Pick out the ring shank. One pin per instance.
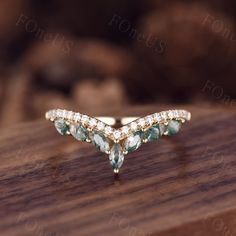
(117, 122)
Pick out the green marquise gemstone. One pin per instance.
(116, 157)
(153, 133)
(134, 141)
(61, 126)
(78, 132)
(100, 141)
(173, 127)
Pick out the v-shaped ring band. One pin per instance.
(117, 136)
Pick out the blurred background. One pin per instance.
(92, 56)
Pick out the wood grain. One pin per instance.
(183, 185)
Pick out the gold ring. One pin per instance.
(117, 136)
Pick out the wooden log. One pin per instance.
(181, 185)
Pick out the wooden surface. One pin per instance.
(183, 185)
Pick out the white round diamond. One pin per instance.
(171, 114)
(48, 115)
(59, 113)
(100, 126)
(149, 120)
(65, 114)
(125, 129)
(157, 117)
(84, 119)
(92, 122)
(176, 114)
(133, 125)
(117, 134)
(141, 122)
(54, 114)
(70, 115)
(189, 116)
(77, 117)
(186, 114)
(164, 115)
(108, 130)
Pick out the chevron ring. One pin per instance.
(117, 136)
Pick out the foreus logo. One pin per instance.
(32, 27)
(124, 26)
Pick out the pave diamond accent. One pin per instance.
(117, 134)
(134, 126)
(164, 115)
(65, 114)
(150, 120)
(92, 122)
(108, 130)
(100, 125)
(170, 114)
(157, 117)
(125, 130)
(84, 119)
(77, 117)
(49, 115)
(141, 122)
(70, 115)
(59, 113)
